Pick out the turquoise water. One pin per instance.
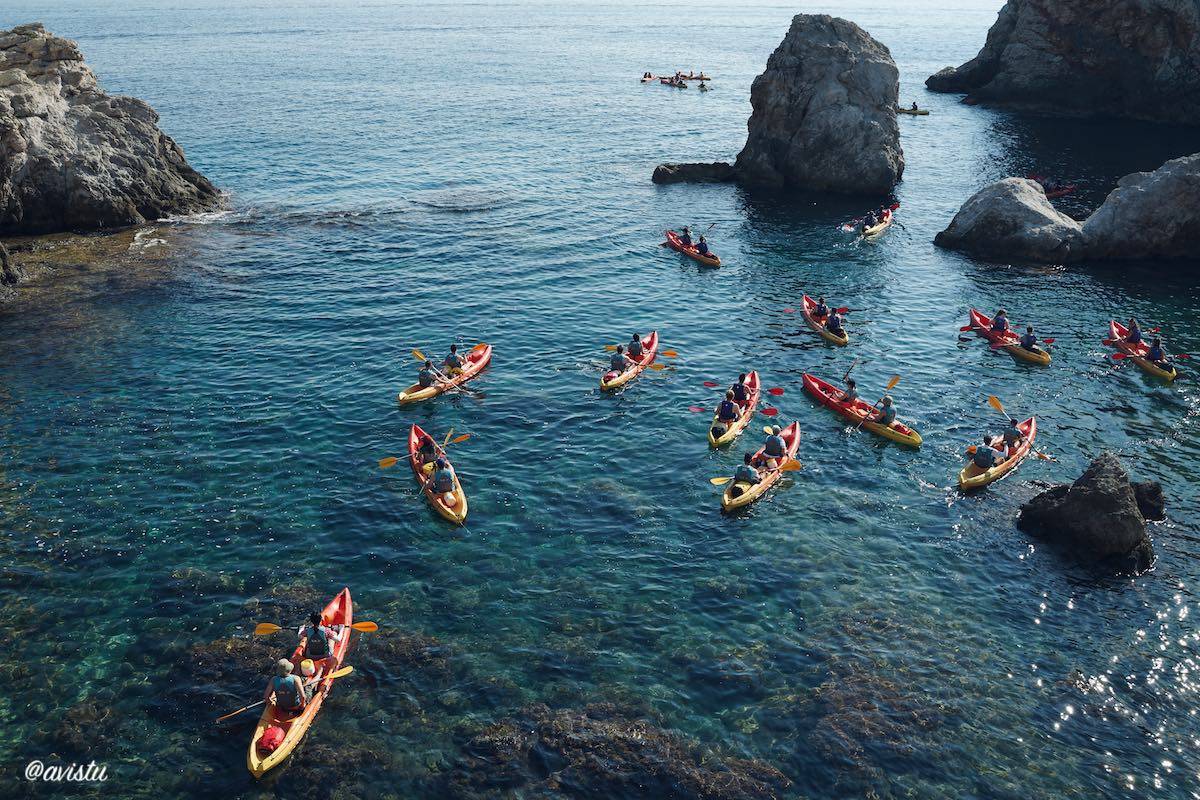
(410, 175)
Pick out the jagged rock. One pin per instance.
(1130, 58)
(602, 752)
(1150, 500)
(1096, 517)
(716, 172)
(1149, 215)
(823, 119)
(1013, 219)
(75, 158)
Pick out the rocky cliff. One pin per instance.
(823, 119)
(75, 158)
(1128, 58)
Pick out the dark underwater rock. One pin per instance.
(601, 752)
(716, 172)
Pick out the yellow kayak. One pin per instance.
(738, 495)
(451, 505)
(807, 305)
(1117, 333)
(972, 477)
(473, 364)
(612, 380)
(739, 425)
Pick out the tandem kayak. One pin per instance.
(972, 477)
(916, 112)
(338, 612)
(612, 380)
(473, 364)
(739, 425)
(676, 244)
(875, 230)
(807, 304)
(739, 495)
(1137, 352)
(833, 398)
(451, 505)
(1011, 342)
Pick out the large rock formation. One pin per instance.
(823, 119)
(1129, 58)
(1096, 517)
(1150, 215)
(1013, 219)
(75, 158)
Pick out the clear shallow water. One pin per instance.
(411, 175)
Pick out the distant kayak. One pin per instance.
(1009, 340)
(613, 380)
(673, 82)
(676, 244)
(972, 477)
(875, 230)
(916, 112)
(807, 305)
(1137, 352)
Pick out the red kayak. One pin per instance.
(1009, 340)
(676, 244)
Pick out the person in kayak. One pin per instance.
(1157, 355)
(442, 477)
(746, 473)
(741, 393)
(851, 392)
(635, 347)
(686, 236)
(914, 105)
(1135, 332)
(428, 451)
(1000, 322)
(1029, 340)
(1012, 438)
(820, 309)
(774, 448)
(986, 457)
(453, 362)
(317, 640)
(887, 414)
(727, 414)
(702, 246)
(427, 377)
(870, 220)
(286, 690)
(619, 362)
(834, 323)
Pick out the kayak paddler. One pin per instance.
(870, 220)
(285, 689)
(1135, 332)
(686, 236)
(774, 448)
(619, 362)
(1029, 341)
(426, 377)
(1012, 437)
(442, 480)
(985, 457)
(702, 246)
(635, 347)
(1157, 355)
(741, 394)
(851, 392)
(834, 323)
(887, 414)
(820, 309)
(746, 473)
(728, 411)
(427, 452)
(1000, 321)
(453, 362)
(316, 637)
(914, 105)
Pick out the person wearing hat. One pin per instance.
(443, 476)
(887, 414)
(427, 377)
(286, 690)
(774, 448)
(635, 347)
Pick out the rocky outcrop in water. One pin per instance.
(1096, 517)
(1128, 58)
(823, 119)
(75, 158)
(1013, 219)
(601, 752)
(1150, 215)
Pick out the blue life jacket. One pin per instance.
(289, 691)
(887, 415)
(821, 310)
(686, 239)
(834, 323)
(775, 447)
(1012, 436)
(619, 362)
(425, 378)
(1029, 341)
(1135, 336)
(316, 644)
(985, 457)
(702, 247)
(740, 392)
(746, 474)
(850, 395)
(454, 360)
(1000, 324)
(727, 411)
(1156, 353)
(443, 480)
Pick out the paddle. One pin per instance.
(264, 628)
(791, 465)
(341, 673)
(853, 364)
(697, 409)
(995, 403)
(890, 385)
(612, 348)
(390, 461)
(770, 412)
